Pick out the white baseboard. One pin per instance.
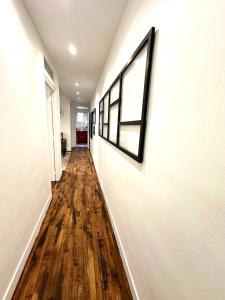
(121, 250)
(119, 243)
(19, 269)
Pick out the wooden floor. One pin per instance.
(75, 255)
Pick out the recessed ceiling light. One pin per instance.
(76, 84)
(82, 107)
(78, 93)
(72, 49)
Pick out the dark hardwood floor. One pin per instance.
(75, 255)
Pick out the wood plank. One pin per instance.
(75, 255)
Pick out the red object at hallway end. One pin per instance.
(81, 137)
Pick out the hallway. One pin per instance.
(112, 156)
(75, 255)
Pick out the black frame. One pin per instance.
(92, 123)
(101, 111)
(149, 41)
(94, 116)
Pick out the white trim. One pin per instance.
(55, 102)
(120, 245)
(19, 269)
(49, 81)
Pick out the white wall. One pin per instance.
(65, 120)
(25, 188)
(169, 211)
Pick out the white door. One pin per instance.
(50, 122)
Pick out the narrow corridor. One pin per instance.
(75, 255)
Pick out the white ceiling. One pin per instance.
(90, 25)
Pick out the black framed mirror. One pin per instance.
(92, 123)
(123, 108)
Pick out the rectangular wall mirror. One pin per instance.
(94, 116)
(90, 126)
(92, 123)
(133, 88)
(113, 123)
(123, 108)
(100, 123)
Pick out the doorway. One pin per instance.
(82, 129)
(50, 124)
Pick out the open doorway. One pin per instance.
(82, 128)
(50, 124)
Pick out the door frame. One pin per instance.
(85, 111)
(56, 124)
(51, 135)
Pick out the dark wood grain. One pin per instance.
(75, 255)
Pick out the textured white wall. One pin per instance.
(24, 166)
(65, 120)
(169, 211)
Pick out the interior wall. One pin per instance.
(65, 119)
(169, 210)
(24, 173)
